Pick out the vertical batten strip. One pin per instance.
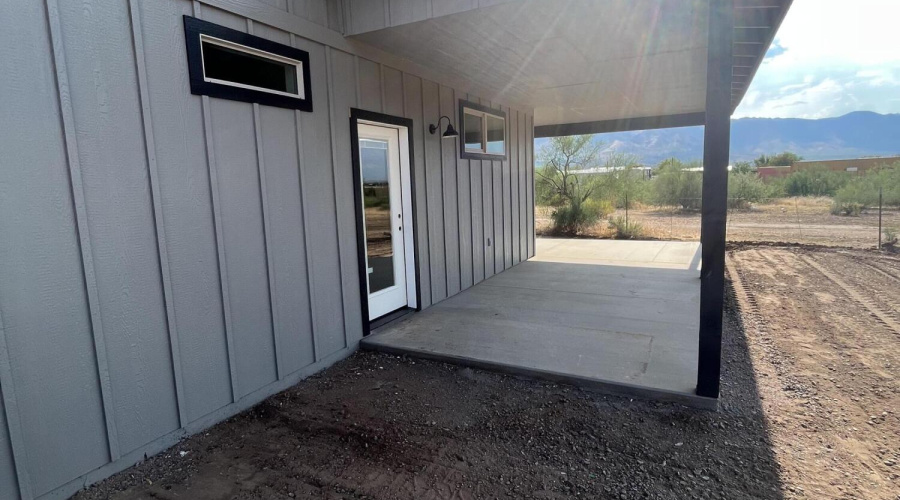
(459, 249)
(314, 329)
(13, 422)
(529, 155)
(443, 192)
(220, 244)
(381, 78)
(425, 132)
(523, 187)
(329, 76)
(515, 237)
(355, 80)
(84, 239)
(267, 232)
(150, 148)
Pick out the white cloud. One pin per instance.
(834, 57)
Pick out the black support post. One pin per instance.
(716, 138)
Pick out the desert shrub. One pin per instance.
(602, 207)
(575, 217)
(745, 188)
(816, 181)
(677, 185)
(624, 229)
(846, 208)
(775, 188)
(890, 236)
(621, 181)
(743, 167)
(863, 189)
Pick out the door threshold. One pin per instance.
(389, 318)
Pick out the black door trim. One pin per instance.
(357, 115)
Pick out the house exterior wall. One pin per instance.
(168, 260)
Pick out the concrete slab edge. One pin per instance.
(601, 386)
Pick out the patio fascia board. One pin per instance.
(621, 125)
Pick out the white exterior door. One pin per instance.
(383, 187)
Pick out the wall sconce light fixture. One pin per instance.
(449, 133)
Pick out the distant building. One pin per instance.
(646, 172)
(855, 165)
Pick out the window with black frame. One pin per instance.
(483, 132)
(231, 64)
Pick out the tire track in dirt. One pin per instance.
(746, 301)
(878, 269)
(888, 281)
(883, 317)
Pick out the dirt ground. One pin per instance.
(809, 408)
(824, 330)
(795, 220)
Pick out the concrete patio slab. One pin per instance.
(620, 316)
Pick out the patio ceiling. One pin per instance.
(576, 61)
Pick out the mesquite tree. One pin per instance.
(560, 160)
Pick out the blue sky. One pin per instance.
(829, 58)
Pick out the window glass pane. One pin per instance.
(474, 132)
(224, 63)
(377, 201)
(496, 134)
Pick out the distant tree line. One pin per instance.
(578, 199)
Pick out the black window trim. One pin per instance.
(194, 28)
(468, 155)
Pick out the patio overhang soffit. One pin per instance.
(584, 66)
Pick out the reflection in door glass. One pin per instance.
(373, 156)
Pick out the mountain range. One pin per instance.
(853, 135)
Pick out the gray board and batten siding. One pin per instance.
(168, 260)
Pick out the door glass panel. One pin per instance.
(377, 202)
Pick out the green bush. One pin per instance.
(626, 229)
(575, 217)
(890, 238)
(815, 181)
(745, 188)
(602, 207)
(676, 185)
(863, 189)
(621, 182)
(775, 188)
(846, 208)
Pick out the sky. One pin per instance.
(830, 57)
